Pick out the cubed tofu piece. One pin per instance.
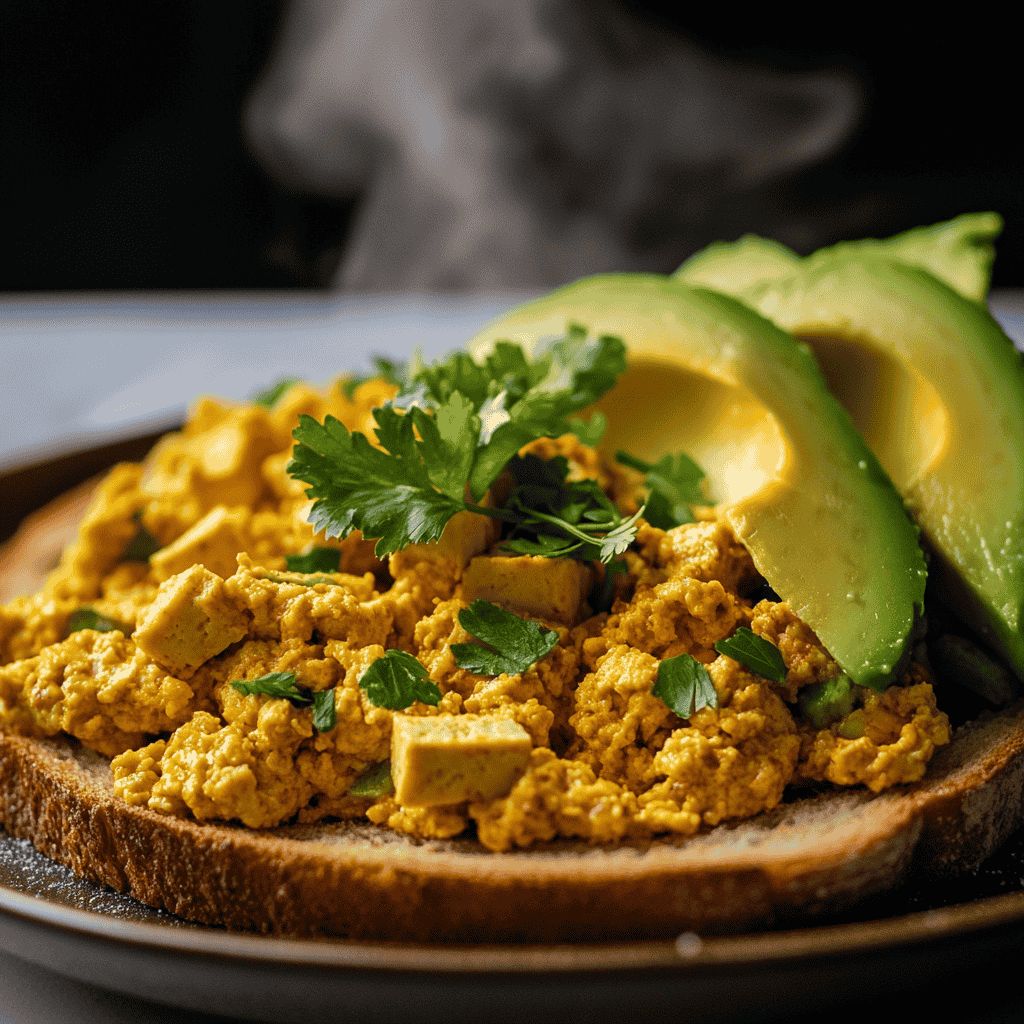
(465, 535)
(544, 588)
(227, 457)
(191, 620)
(213, 542)
(451, 758)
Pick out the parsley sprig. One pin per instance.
(285, 685)
(562, 519)
(447, 436)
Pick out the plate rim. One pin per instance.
(687, 953)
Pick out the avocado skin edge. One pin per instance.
(719, 337)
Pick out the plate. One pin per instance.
(54, 919)
(933, 937)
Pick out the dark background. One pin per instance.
(123, 164)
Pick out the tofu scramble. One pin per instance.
(577, 745)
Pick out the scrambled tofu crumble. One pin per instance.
(586, 747)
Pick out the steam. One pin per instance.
(494, 144)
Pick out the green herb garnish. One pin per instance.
(284, 685)
(309, 581)
(512, 644)
(375, 782)
(317, 560)
(759, 655)
(273, 684)
(89, 618)
(684, 685)
(397, 681)
(268, 397)
(393, 373)
(323, 710)
(453, 428)
(674, 485)
(143, 543)
(559, 519)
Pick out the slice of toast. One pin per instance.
(807, 857)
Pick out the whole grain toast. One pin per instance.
(808, 856)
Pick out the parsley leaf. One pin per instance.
(589, 431)
(269, 396)
(284, 685)
(674, 485)
(89, 618)
(513, 644)
(143, 543)
(684, 685)
(397, 681)
(273, 684)
(759, 655)
(375, 782)
(324, 718)
(384, 494)
(316, 560)
(393, 373)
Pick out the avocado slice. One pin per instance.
(731, 267)
(708, 376)
(937, 390)
(957, 251)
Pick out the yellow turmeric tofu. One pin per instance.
(545, 588)
(213, 542)
(447, 759)
(191, 620)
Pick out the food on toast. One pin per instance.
(464, 627)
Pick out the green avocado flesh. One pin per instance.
(791, 475)
(731, 267)
(937, 390)
(958, 251)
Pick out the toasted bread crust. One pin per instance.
(356, 880)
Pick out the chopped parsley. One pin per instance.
(393, 373)
(324, 718)
(143, 543)
(674, 484)
(285, 685)
(508, 643)
(268, 397)
(447, 436)
(375, 782)
(684, 685)
(761, 656)
(316, 560)
(309, 581)
(397, 681)
(89, 618)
